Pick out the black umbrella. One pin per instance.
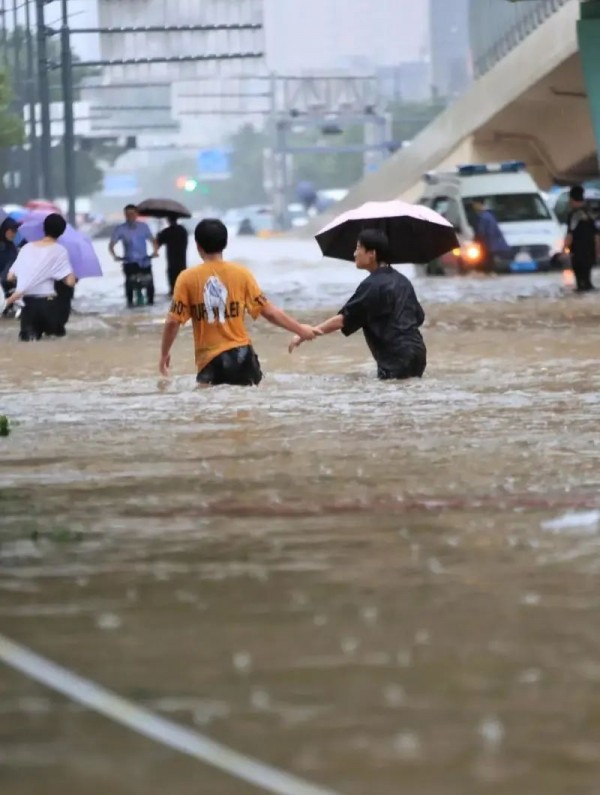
(416, 233)
(163, 208)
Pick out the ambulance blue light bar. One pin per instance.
(508, 167)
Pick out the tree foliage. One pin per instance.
(11, 126)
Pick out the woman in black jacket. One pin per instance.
(8, 254)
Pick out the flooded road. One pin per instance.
(381, 588)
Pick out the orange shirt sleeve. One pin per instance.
(181, 310)
(255, 298)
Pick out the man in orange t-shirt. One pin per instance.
(216, 295)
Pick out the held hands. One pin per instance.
(308, 334)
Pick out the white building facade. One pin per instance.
(183, 102)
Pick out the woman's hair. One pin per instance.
(54, 225)
(8, 225)
(375, 240)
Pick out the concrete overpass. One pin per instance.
(532, 105)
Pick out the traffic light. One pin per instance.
(192, 184)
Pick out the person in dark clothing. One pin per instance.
(583, 239)
(386, 308)
(8, 254)
(489, 236)
(175, 240)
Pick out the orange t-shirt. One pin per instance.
(216, 295)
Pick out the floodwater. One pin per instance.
(381, 588)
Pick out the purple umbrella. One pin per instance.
(83, 258)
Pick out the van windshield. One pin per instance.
(512, 207)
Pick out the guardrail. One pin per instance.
(531, 19)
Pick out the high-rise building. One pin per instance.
(157, 101)
(450, 46)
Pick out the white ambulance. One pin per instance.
(529, 226)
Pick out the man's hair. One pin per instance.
(211, 235)
(478, 200)
(577, 193)
(130, 207)
(54, 225)
(375, 240)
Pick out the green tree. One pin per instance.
(88, 177)
(246, 184)
(409, 118)
(17, 42)
(11, 126)
(329, 169)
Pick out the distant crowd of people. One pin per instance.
(217, 294)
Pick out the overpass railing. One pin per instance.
(516, 24)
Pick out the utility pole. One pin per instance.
(18, 160)
(34, 160)
(4, 37)
(69, 139)
(44, 91)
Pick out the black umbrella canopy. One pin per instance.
(416, 234)
(163, 208)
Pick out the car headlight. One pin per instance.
(472, 253)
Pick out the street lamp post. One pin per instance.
(44, 90)
(69, 140)
(4, 37)
(34, 188)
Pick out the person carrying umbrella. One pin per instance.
(175, 239)
(386, 308)
(38, 266)
(137, 264)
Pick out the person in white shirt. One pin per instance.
(36, 269)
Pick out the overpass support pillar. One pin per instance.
(588, 33)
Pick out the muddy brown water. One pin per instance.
(382, 588)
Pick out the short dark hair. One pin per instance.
(577, 193)
(211, 235)
(478, 200)
(130, 207)
(54, 225)
(375, 240)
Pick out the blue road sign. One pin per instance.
(120, 184)
(213, 164)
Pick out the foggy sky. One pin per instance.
(316, 34)
(303, 33)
